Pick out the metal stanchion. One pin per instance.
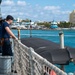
(30, 29)
(18, 33)
(61, 34)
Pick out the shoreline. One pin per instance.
(45, 29)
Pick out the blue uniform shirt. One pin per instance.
(4, 32)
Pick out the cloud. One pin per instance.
(21, 13)
(51, 8)
(35, 16)
(12, 3)
(42, 13)
(21, 3)
(23, 10)
(8, 3)
(74, 5)
(65, 12)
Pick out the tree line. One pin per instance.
(63, 24)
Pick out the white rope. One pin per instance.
(28, 62)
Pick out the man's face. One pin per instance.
(10, 21)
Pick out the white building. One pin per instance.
(72, 17)
(54, 25)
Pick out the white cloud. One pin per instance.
(51, 8)
(21, 13)
(21, 3)
(74, 5)
(27, 14)
(14, 10)
(35, 16)
(22, 9)
(61, 12)
(8, 3)
(66, 12)
(42, 13)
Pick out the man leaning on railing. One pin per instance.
(5, 39)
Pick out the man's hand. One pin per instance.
(16, 38)
(10, 36)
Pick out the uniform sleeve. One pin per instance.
(5, 25)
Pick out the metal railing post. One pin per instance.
(18, 33)
(30, 29)
(31, 61)
(61, 35)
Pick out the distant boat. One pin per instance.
(65, 28)
(17, 25)
(13, 27)
(72, 28)
(22, 27)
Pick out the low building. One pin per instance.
(53, 25)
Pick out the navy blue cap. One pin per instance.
(9, 17)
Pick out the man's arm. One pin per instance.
(10, 33)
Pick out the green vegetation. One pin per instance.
(72, 25)
(46, 24)
(27, 20)
(64, 25)
(61, 25)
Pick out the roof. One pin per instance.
(53, 23)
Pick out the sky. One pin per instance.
(38, 10)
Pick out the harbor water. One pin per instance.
(53, 35)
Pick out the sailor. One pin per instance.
(6, 33)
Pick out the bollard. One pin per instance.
(61, 34)
(18, 34)
(30, 31)
(5, 64)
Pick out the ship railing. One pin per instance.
(28, 62)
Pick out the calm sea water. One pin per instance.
(53, 35)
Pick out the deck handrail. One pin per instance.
(28, 62)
